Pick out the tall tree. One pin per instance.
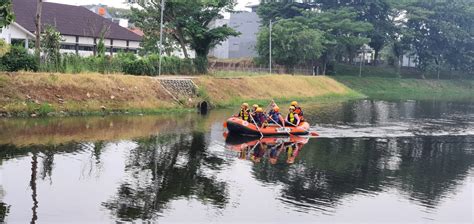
(379, 13)
(188, 22)
(442, 34)
(39, 9)
(6, 13)
(293, 43)
(51, 44)
(282, 9)
(345, 34)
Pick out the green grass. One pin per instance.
(415, 89)
(392, 72)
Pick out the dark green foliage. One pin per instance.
(6, 13)
(294, 43)
(441, 34)
(283, 9)
(150, 65)
(50, 44)
(187, 24)
(18, 59)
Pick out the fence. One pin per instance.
(254, 69)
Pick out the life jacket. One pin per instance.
(291, 118)
(244, 114)
(299, 111)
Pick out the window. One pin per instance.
(18, 42)
(68, 47)
(86, 48)
(118, 50)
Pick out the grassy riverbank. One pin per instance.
(414, 89)
(230, 91)
(40, 94)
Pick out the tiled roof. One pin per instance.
(69, 20)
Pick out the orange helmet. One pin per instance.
(276, 109)
(246, 105)
(294, 103)
(255, 105)
(259, 109)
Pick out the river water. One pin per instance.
(374, 162)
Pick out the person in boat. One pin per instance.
(292, 118)
(244, 113)
(275, 117)
(254, 109)
(260, 117)
(298, 110)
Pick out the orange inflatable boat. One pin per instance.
(238, 126)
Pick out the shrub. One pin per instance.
(18, 59)
(138, 67)
(4, 47)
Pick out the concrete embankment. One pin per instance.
(38, 94)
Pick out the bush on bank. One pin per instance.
(18, 59)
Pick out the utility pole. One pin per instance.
(270, 48)
(161, 34)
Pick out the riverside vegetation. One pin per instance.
(41, 94)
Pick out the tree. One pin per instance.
(6, 13)
(39, 9)
(51, 43)
(101, 45)
(188, 23)
(343, 32)
(441, 34)
(283, 9)
(379, 13)
(293, 42)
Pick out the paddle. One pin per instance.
(256, 125)
(271, 102)
(279, 125)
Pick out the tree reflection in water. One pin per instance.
(165, 168)
(425, 169)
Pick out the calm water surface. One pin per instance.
(375, 161)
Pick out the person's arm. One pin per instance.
(282, 121)
(297, 119)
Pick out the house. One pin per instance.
(80, 28)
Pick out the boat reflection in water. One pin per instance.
(270, 148)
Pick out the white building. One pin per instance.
(80, 28)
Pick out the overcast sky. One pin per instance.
(120, 3)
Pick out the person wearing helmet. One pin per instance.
(298, 110)
(259, 117)
(254, 109)
(275, 117)
(292, 117)
(244, 113)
